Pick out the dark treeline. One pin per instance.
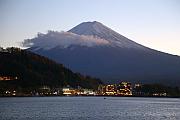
(32, 71)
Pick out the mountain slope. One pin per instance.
(99, 30)
(119, 59)
(35, 71)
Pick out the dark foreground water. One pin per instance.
(89, 108)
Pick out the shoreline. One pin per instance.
(95, 96)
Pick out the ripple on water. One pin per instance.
(89, 108)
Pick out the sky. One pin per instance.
(152, 23)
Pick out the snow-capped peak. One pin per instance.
(88, 28)
(99, 30)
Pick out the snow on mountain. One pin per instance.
(64, 40)
(85, 34)
(99, 30)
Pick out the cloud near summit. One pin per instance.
(63, 39)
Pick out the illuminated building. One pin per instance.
(8, 78)
(110, 90)
(137, 85)
(160, 94)
(88, 92)
(124, 88)
(68, 91)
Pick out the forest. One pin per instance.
(29, 71)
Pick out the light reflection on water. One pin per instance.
(89, 108)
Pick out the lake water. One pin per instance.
(89, 108)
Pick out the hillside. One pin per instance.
(28, 70)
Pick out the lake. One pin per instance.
(89, 108)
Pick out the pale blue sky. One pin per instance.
(153, 23)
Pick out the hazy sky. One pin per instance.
(153, 23)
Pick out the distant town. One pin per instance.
(121, 89)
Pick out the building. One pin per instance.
(68, 91)
(124, 88)
(88, 92)
(110, 89)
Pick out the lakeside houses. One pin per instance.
(121, 89)
(68, 91)
(127, 89)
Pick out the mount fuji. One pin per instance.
(93, 49)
